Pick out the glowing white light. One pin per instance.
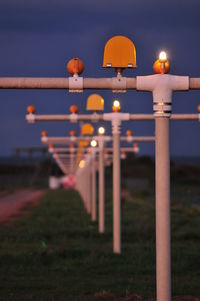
(93, 143)
(116, 104)
(101, 130)
(162, 57)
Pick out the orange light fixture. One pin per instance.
(44, 133)
(31, 109)
(119, 52)
(75, 66)
(73, 109)
(72, 133)
(198, 108)
(129, 133)
(87, 129)
(95, 102)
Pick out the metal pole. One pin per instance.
(85, 180)
(94, 209)
(101, 187)
(72, 159)
(63, 83)
(116, 191)
(88, 186)
(97, 117)
(163, 250)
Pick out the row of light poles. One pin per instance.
(162, 86)
(116, 118)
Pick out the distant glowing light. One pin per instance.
(82, 164)
(93, 143)
(101, 130)
(116, 106)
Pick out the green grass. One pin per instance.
(56, 253)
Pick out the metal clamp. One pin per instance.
(73, 139)
(119, 84)
(73, 117)
(30, 118)
(95, 117)
(130, 139)
(75, 84)
(44, 139)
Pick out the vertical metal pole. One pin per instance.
(88, 186)
(116, 190)
(71, 158)
(94, 209)
(163, 252)
(101, 186)
(84, 187)
(83, 177)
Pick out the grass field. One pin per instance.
(56, 253)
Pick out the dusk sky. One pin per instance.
(39, 37)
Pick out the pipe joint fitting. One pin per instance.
(75, 84)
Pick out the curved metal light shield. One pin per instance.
(119, 52)
(95, 102)
(87, 129)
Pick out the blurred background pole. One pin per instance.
(94, 209)
(101, 186)
(88, 185)
(163, 249)
(116, 188)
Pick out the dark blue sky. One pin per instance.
(39, 37)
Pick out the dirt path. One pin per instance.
(12, 204)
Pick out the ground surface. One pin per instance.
(11, 204)
(56, 253)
